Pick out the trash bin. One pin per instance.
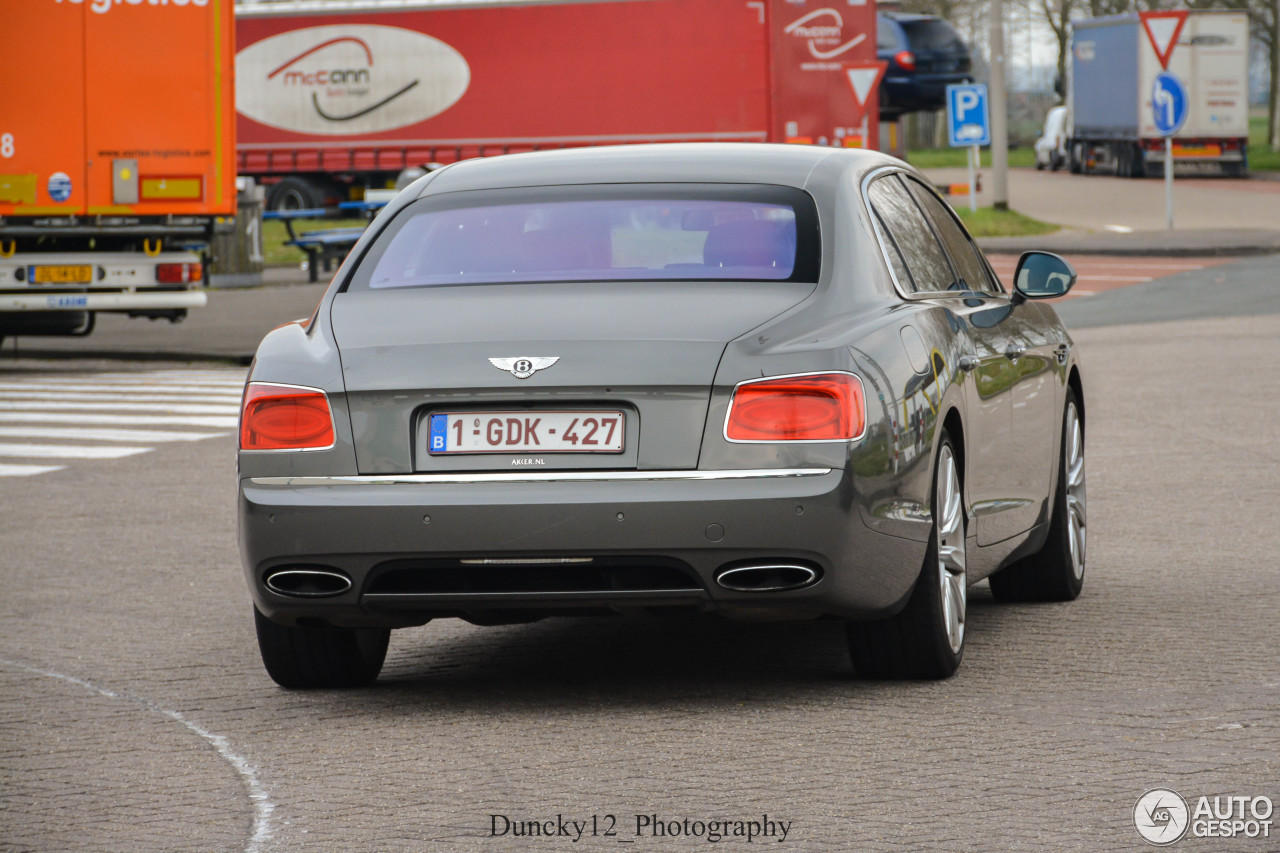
(237, 252)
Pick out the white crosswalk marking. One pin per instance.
(89, 434)
(71, 396)
(67, 451)
(150, 420)
(175, 408)
(108, 388)
(101, 416)
(27, 470)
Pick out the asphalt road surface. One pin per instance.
(135, 714)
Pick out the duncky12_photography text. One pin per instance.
(640, 826)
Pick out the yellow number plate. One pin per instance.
(69, 274)
(1197, 150)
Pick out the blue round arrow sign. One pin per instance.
(1168, 103)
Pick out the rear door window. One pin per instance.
(964, 253)
(909, 239)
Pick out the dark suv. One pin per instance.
(925, 55)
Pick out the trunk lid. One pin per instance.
(646, 349)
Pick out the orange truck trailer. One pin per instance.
(117, 158)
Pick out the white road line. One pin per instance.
(45, 385)
(176, 409)
(44, 394)
(262, 805)
(27, 470)
(90, 434)
(120, 420)
(1119, 229)
(68, 451)
(170, 379)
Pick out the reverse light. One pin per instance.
(285, 417)
(906, 59)
(179, 273)
(807, 407)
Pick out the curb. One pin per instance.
(1216, 242)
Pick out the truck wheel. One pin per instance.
(294, 194)
(1137, 162)
(1076, 159)
(301, 657)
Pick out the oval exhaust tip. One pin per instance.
(308, 582)
(767, 577)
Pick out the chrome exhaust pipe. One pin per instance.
(308, 582)
(767, 577)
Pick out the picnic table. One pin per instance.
(323, 246)
(330, 244)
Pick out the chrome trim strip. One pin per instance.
(545, 477)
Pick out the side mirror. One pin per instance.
(1043, 275)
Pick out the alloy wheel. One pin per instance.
(949, 519)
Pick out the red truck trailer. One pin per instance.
(336, 97)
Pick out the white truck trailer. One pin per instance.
(1111, 75)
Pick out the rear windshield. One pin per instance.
(932, 35)
(597, 234)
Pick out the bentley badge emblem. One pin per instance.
(524, 366)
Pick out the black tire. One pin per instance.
(915, 643)
(1053, 573)
(1137, 163)
(302, 657)
(1076, 159)
(294, 194)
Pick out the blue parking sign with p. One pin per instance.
(968, 118)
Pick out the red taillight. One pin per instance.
(813, 407)
(179, 273)
(906, 59)
(282, 417)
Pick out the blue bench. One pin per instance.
(321, 247)
(325, 247)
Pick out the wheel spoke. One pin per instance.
(952, 558)
(1076, 518)
(949, 533)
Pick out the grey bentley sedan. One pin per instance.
(766, 381)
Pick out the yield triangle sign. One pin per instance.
(864, 78)
(1163, 29)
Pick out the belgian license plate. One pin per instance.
(60, 274)
(527, 432)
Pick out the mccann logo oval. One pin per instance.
(348, 79)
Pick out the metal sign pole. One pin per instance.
(973, 178)
(1169, 103)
